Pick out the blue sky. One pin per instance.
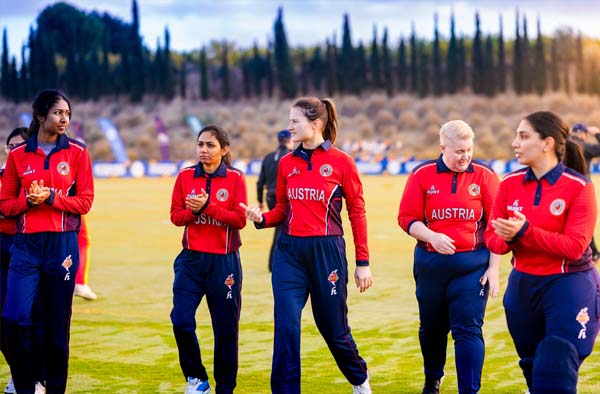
(193, 23)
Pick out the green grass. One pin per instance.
(123, 342)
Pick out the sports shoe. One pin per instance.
(432, 386)
(364, 388)
(10, 386)
(85, 292)
(39, 388)
(197, 386)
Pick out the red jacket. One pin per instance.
(561, 216)
(216, 229)
(456, 204)
(67, 170)
(7, 225)
(310, 192)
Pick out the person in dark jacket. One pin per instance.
(579, 133)
(268, 178)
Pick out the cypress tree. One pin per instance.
(361, 68)
(540, 63)
(5, 83)
(580, 72)
(13, 81)
(554, 66)
(489, 76)
(24, 77)
(501, 69)
(304, 72)
(316, 69)
(159, 81)
(567, 78)
(462, 63)
(169, 88)
(283, 61)
(423, 72)
(104, 85)
(226, 92)
(375, 67)
(269, 70)
(387, 65)
(478, 61)
(452, 66)
(402, 69)
(203, 75)
(414, 67)
(183, 77)
(246, 76)
(517, 60)
(347, 63)
(437, 60)
(526, 60)
(137, 57)
(257, 70)
(331, 83)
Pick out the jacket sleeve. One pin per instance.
(277, 215)
(260, 184)
(180, 215)
(355, 204)
(412, 204)
(495, 243)
(81, 202)
(492, 184)
(13, 198)
(234, 215)
(578, 229)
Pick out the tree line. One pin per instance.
(93, 55)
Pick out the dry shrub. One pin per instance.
(454, 115)
(222, 115)
(408, 120)
(505, 104)
(350, 106)
(366, 131)
(248, 113)
(102, 151)
(401, 103)
(431, 118)
(583, 104)
(531, 103)
(384, 118)
(557, 102)
(375, 103)
(450, 105)
(497, 122)
(476, 120)
(485, 142)
(593, 119)
(389, 132)
(424, 106)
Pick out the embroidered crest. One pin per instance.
(474, 189)
(63, 168)
(326, 170)
(222, 194)
(229, 282)
(557, 206)
(333, 278)
(582, 318)
(67, 263)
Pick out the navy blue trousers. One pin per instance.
(563, 305)
(451, 298)
(315, 266)
(219, 278)
(42, 265)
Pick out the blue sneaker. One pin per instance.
(197, 386)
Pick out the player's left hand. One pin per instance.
(363, 278)
(509, 228)
(492, 277)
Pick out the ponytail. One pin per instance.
(330, 130)
(574, 157)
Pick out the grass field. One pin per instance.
(123, 342)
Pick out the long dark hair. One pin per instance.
(548, 124)
(314, 108)
(22, 132)
(42, 103)
(221, 135)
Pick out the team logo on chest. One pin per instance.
(333, 278)
(582, 318)
(557, 206)
(474, 189)
(28, 171)
(229, 282)
(326, 170)
(63, 168)
(67, 263)
(433, 190)
(222, 194)
(514, 207)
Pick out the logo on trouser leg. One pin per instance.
(582, 318)
(333, 278)
(229, 281)
(67, 263)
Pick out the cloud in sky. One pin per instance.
(193, 23)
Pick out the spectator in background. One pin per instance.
(579, 134)
(268, 179)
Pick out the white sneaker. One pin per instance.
(39, 388)
(10, 386)
(364, 388)
(85, 292)
(196, 386)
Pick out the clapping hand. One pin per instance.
(38, 193)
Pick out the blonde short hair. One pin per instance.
(455, 129)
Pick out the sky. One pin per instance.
(194, 23)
